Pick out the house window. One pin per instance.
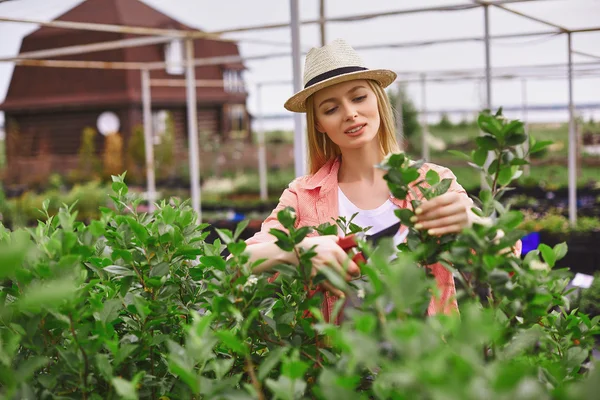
(174, 57)
(233, 81)
(237, 120)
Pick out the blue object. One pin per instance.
(530, 242)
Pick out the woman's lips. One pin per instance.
(354, 131)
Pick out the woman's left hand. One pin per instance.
(448, 213)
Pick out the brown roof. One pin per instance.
(43, 87)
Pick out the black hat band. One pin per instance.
(332, 73)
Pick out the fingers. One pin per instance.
(455, 228)
(348, 267)
(460, 219)
(333, 290)
(442, 211)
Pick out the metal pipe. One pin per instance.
(79, 64)
(299, 139)
(92, 47)
(136, 30)
(148, 139)
(183, 82)
(400, 117)
(531, 18)
(192, 113)
(363, 17)
(488, 67)
(322, 21)
(424, 124)
(526, 168)
(572, 140)
(262, 157)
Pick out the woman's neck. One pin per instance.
(359, 164)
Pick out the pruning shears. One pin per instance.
(349, 243)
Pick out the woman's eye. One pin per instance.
(330, 111)
(360, 98)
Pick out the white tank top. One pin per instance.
(378, 218)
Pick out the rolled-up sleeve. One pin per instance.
(289, 198)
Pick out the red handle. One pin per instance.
(348, 242)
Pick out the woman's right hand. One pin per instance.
(330, 255)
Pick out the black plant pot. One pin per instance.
(583, 254)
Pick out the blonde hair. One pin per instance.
(321, 149)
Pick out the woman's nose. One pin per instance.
(350, 112)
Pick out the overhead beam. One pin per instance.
(90, 48)
(135, 30)
(367, 16)
(522, 14)
(583, 53)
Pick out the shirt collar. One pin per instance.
(326, 177)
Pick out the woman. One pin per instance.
(350, 129)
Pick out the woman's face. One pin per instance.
(347, 112)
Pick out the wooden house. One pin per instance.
(46, 109)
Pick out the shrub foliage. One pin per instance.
(135, 305)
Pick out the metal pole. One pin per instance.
(262, 157)
(488, 67)
(526, 168)
(322, 21)
(399, 117)
(148, 139)
(424, 125)
(572, 141)
(192, 112)
(299, 139)
(488, 83)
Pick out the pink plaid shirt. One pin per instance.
(315, 199)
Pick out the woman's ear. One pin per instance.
(319, 127)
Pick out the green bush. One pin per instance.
(135, 305)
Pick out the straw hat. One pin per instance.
(334, 63)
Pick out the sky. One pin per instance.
(210, 15)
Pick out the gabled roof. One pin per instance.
(114, 12)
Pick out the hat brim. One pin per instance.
(297, 103)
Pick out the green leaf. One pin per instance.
(560, 250)
(109, 312)
(287, 217)
(405, 214)
(125, 388)
(139, 230)
(575, 357)
(216, 262)
(443, 186)
(236, 248)
(119, 270)
(160, 269)
(459, 154)
(432, 177)
(515, 139)
(273, 358)
(12, 254)
(513, 127)
(479, 157)
(547, 254)
(505, 176)
(294, 369)
(240, 228)
(230, 340)
(96, 228)
(47, 294)
(539, 146)
(104, 366)
(487, 142)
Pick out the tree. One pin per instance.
(113, 155)
(410, 115)
(88, 161)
